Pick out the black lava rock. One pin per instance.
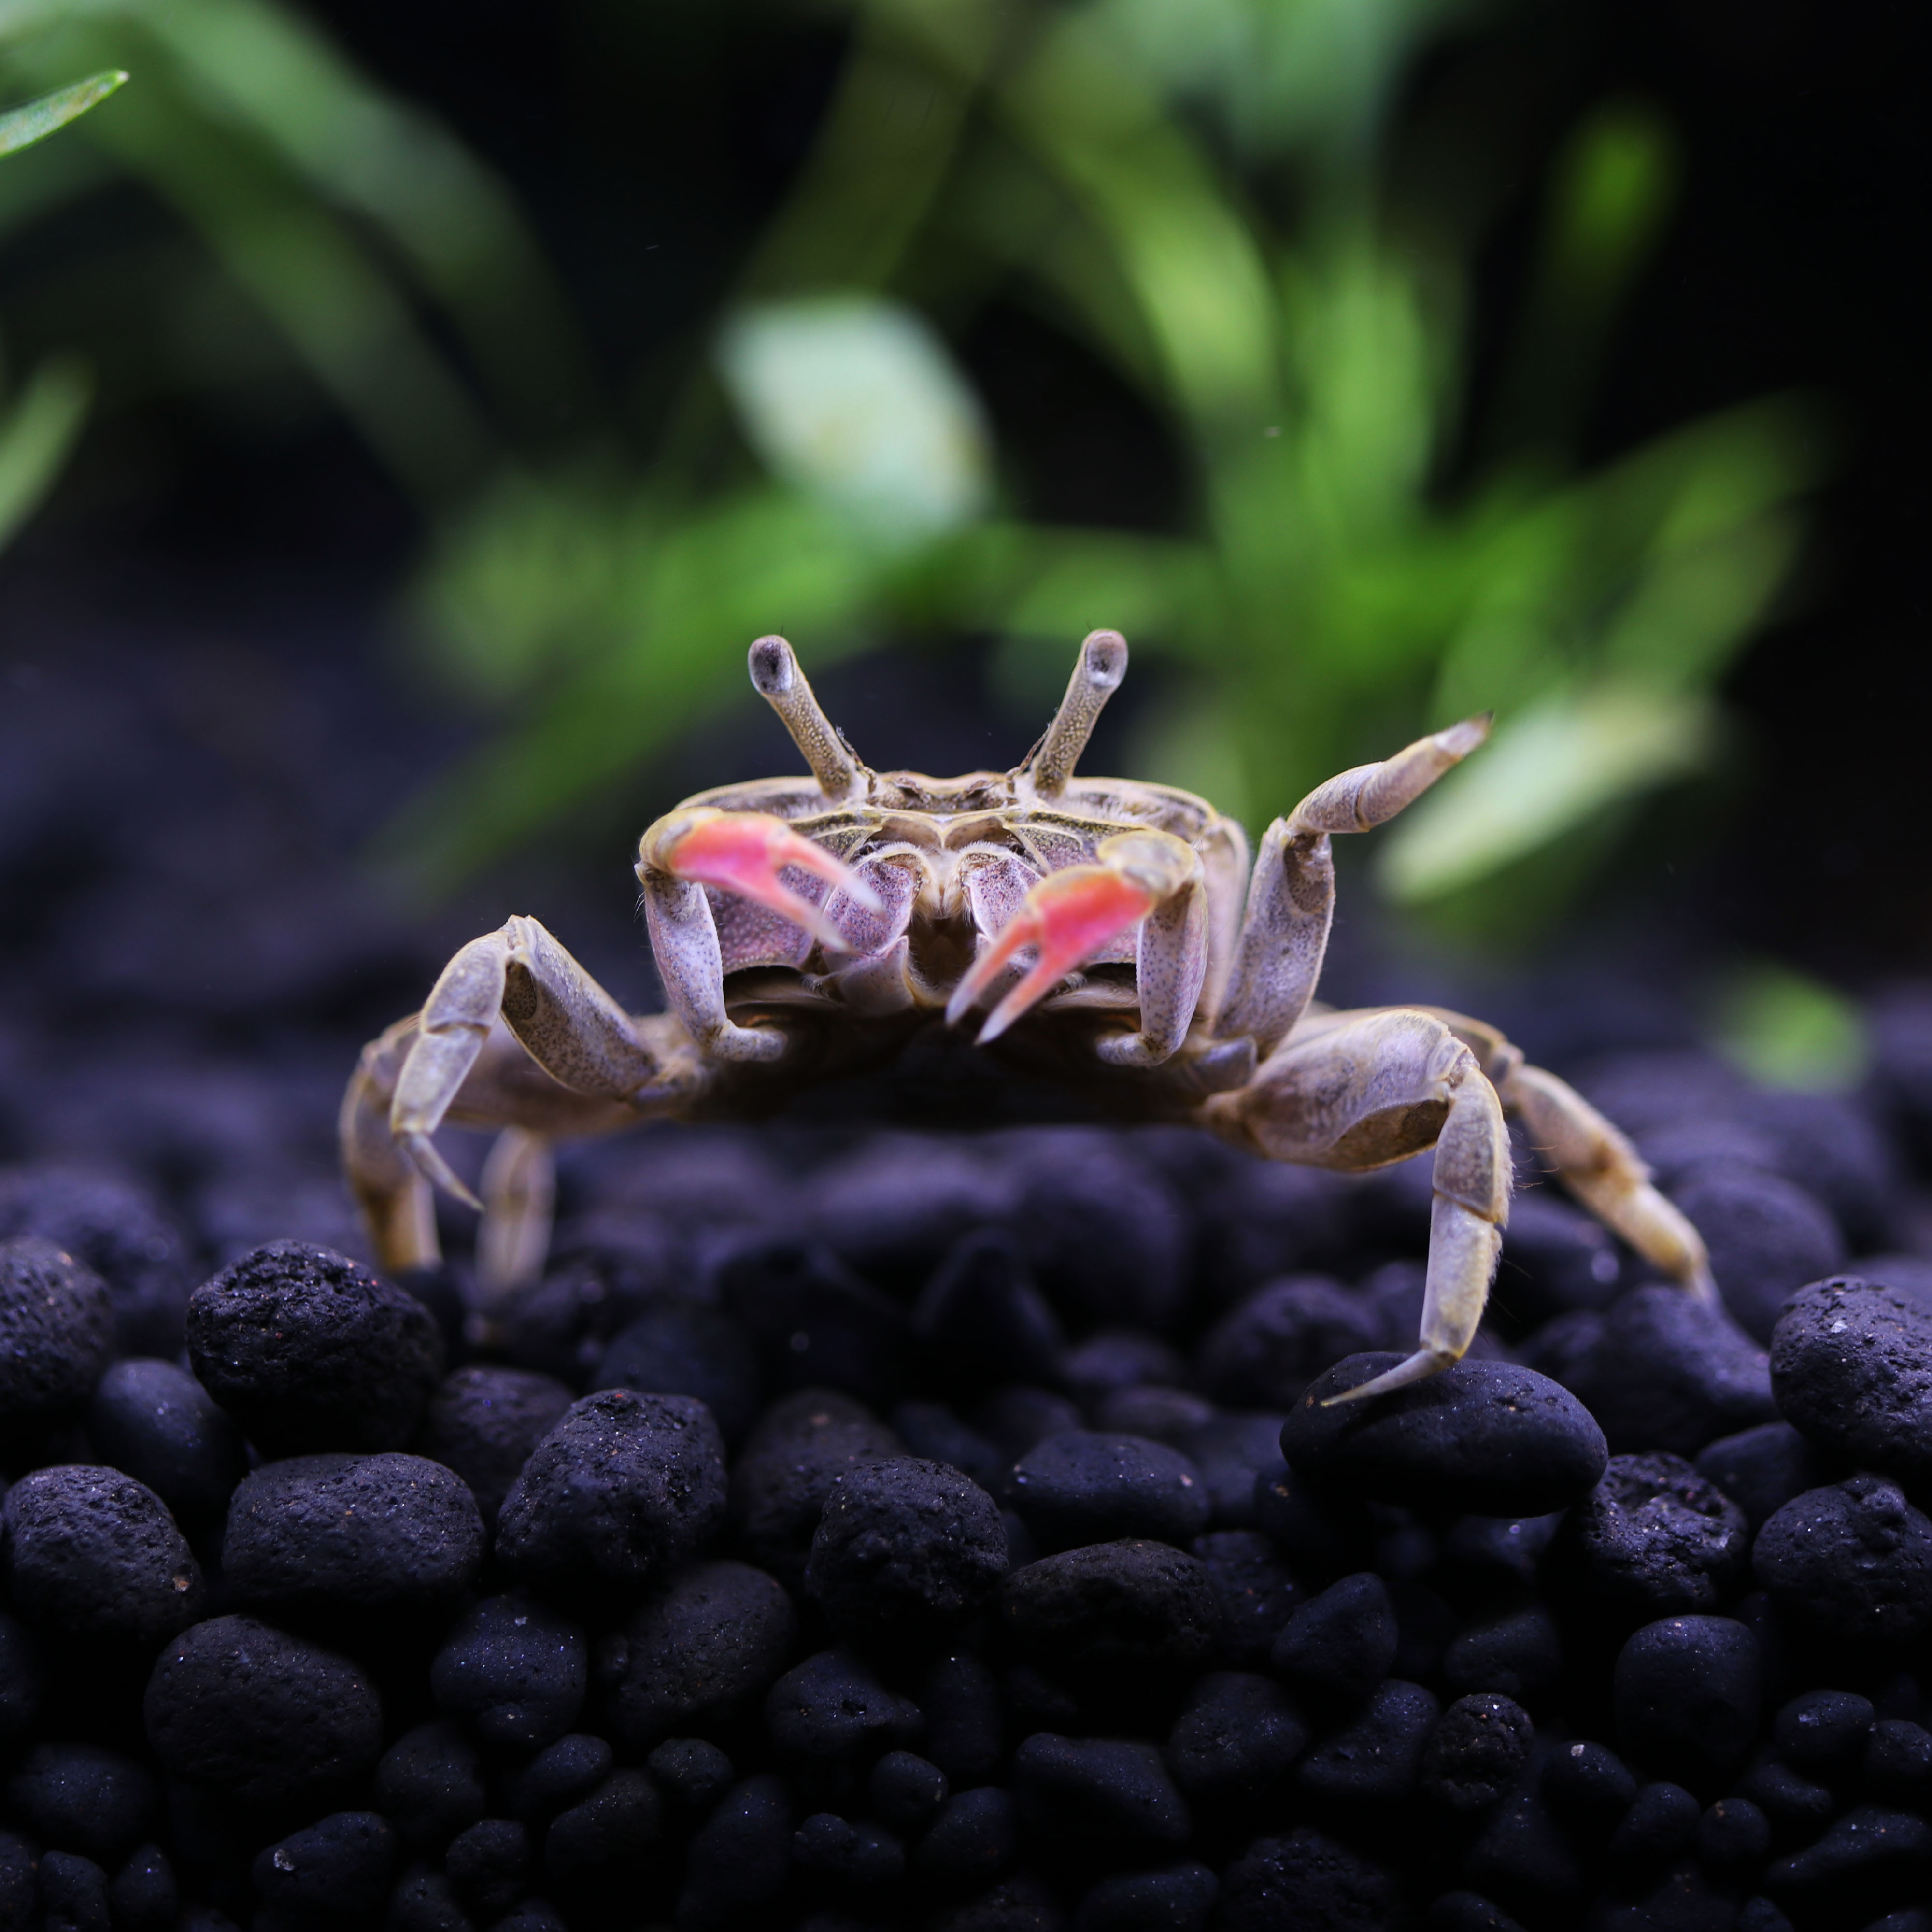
(701, 1649)
(1653, 1538)
(1236, 1734)
(91, 1550)
(74, 1890)
(56, 1328)
(740, 1858)
(81, 1798)
(625, 1488)
(904, 1548)
(907, 1790)
(964, 1726)
(1339, 1645)
(342, 1865)
(1853, 1559)
(484, 1422)
(429, 1784)
(786, 1469)
(424, 1900)
(309, 1351)
(814, 1323)
(1082, 1488)
(679, 1346)
(1256, 1590)
(1689, 1691)
(1178, 1898)
(1483, 1436)
(22, 1684)
(579, 1763)
(354, 1532)
(1662, 1821)
(605, 1838)
(513, 1670)
(1307, 1878)
(1265, 1352)
(253, 1713)
(1851, 1364)
(1475, 1753)
(982, 1317)
(1111, 1609)
(1517, 1651)
(972, 1841)
(145, 1895)
(1376, 1755)
(1823, 1733)
(1732, 1837)
(1767, 1237)
(1762, 1469)
(157, 1423)
(832, 1706)
(1588, 1786)
(488, 1866)
(1097, 1792)
(692, 1772)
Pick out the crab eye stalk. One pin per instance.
(1096, 677)
(776, 678)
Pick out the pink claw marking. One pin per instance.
(1069, 916)
(743, 852)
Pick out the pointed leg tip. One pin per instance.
(1460, 740)
(428, 1162)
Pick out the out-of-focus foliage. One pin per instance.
(1197, 191)
(1785, 1029)
(38, 426)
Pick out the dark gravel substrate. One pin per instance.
(873, 1529)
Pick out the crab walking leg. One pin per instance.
(1292, 895)
(1073, 914)
(1355, 1091)
(519, 1184)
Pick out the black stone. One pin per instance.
(1853, 1560)
(83, 1798)
(1688, 1693)
(1322, 1536)
(255, 1714)
(1265, 1353)
(972, 1841)
(963, 1726)
(1107, 1792)
(424, 1900)
(740, 1858)
(832, 1706)
(1823, 1733)
(1483, 1436)
(565, 1771)
(351, 1532)
(73, 1892)
(1110, 1609)
(932, 1432)
(1307, 1878)
(1517, 1651)
(678, 1346)
(22, 1684)
(488, 1866)
(700, 1650)
(692, 1772)
(907, 1790)
(1851, 1364)
(1767, 1237)
(1177, 1899)
(861, 1855)
(1236, 1734)
(904, 1549)
(1653, 1538)
(1797, 1806)
(982, 1319)
(1587, 1785)
(1375, 1756)
(1082, 1488)
(1112, 1360)
(56, 1330)
(1256, 1590)
(1233, 1452)
(144, 1896)
(342, 1865)
(429, 1784)
(1020, 1416)
(1467, 1911)
(814, 1324)
(91, 1551)
(1476, 1750)
(1868, 1845)
(625, 1488)
(1338, 1646)
(1733, 1837)
(606, 1837)
(513, 1670)
(308, 1352)
(1556, 1259)
(157, 1423)
(1663, 1821)
(1897, 1767)
(1762, 1469)
(484, 1422)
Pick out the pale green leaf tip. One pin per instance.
(1784, 1029)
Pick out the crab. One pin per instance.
(1112, 932)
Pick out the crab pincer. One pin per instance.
(746, 853)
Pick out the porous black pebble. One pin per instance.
(341, 1865)
(1853, 1559)
(1662, 1821)
(83, 1798)
(1266, 1350)
(680, 1346)
(1475, 1752)
(351, 1532)
(1517, 1650)
(1082, 1488)
(904, 1548)
(1485, 1436)
(1339, 1645)
(488, 1866)
(1766, 1237)
(907, 1789)
(832, 1705)
(483, 1421)
(424, 1900)
(574, 1764)
(814, 1323)
(307, 1350)
(429, 1784)
(1653, 1538)
(606, 1836)
(1111, 1791)
(964, 1725)
(1177, 1898)
(22, 1683)
(625, 1488)
(1762, 1469)
(740, 1858)
(1238, 1732)
(982, 1317)
(1112, 1608)
(1851, 1365)
(74, 1890)
(700, 1650)
(145, 1894)
(1255, 1588)
(89, 1549)
(56, 1328)
(254, 1714)
(862, 1855)
(1689, 1691)
(1374, 1755)
(515, 1670)
(972, 1843)
(1307, 1878)
(157, 1423)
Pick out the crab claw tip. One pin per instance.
(428, 1162)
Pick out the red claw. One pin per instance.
(744, 852)
(1070, 917)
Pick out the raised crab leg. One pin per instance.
(1149, 879)
(1291, 896)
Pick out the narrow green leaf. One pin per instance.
(22, 127)
(36, 435)
(1785, 1029)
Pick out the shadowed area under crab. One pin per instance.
(807, 928)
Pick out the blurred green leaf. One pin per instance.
(38, 430)
(1785, 1029)
(21, 127)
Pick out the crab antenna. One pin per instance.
(777, 679)
(1102, 665)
